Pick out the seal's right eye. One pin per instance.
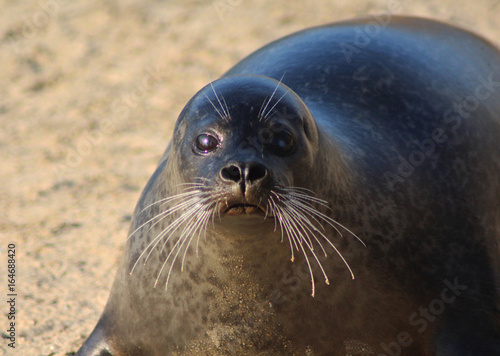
(206, 143)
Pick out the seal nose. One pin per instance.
(246, 174)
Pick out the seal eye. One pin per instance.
(206, 143)
(282, 144)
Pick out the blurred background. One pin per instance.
(89, 93)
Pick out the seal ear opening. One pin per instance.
(96, 344)
(305, 127)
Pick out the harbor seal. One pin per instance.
(336, 192)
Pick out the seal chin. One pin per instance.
(245, 225)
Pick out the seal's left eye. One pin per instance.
(282, 144)
(206, 143)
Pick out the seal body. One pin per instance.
(326, 196)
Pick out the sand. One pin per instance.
(89, 93)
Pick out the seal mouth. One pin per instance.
(239, 209)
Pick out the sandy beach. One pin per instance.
(89, 93)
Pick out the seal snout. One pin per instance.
(248, 180)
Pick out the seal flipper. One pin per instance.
(96, 344)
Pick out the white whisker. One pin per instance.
(188, 217)
(299, 219)
(197, 225)
(213, 105)
(262, 112)
(296, 211)
(276, 103)
(152, 245)
(224, 110)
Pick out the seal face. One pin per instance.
(322, 199)
(227, 142)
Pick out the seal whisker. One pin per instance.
(151, 246)
(294, 217)
(174, 248)
(193, 183)
(194, 218)
(300, 190)
(306, 258)
(226, 113)
(198, 182)
(320, 214)
(333, 246)
(191, 231)
(278, 214)
(276, 103)
(190, 206)
(303, 195)
(163, 213)
(266, 214)
(349, 231)
(312, 212)
(303, 221)
(324, 217)
(291, 217)
(306, 224)
(167, 199)
(270, 203)
(159, 216)
(227, 108)
(169, 212)
(187, 198)
(177, 245)
(259, 115)
(325, 276)
(262, 112)
(215, 108)
(204, 228)
(190, 210)
(289, 232)
(332, 221)
(201, 218)
(306, 206)
(217, 209)
(338, 253)
(311, 249)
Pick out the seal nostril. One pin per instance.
(256, 172)
(231, 173)
(245, 173)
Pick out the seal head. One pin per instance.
(242, 138)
